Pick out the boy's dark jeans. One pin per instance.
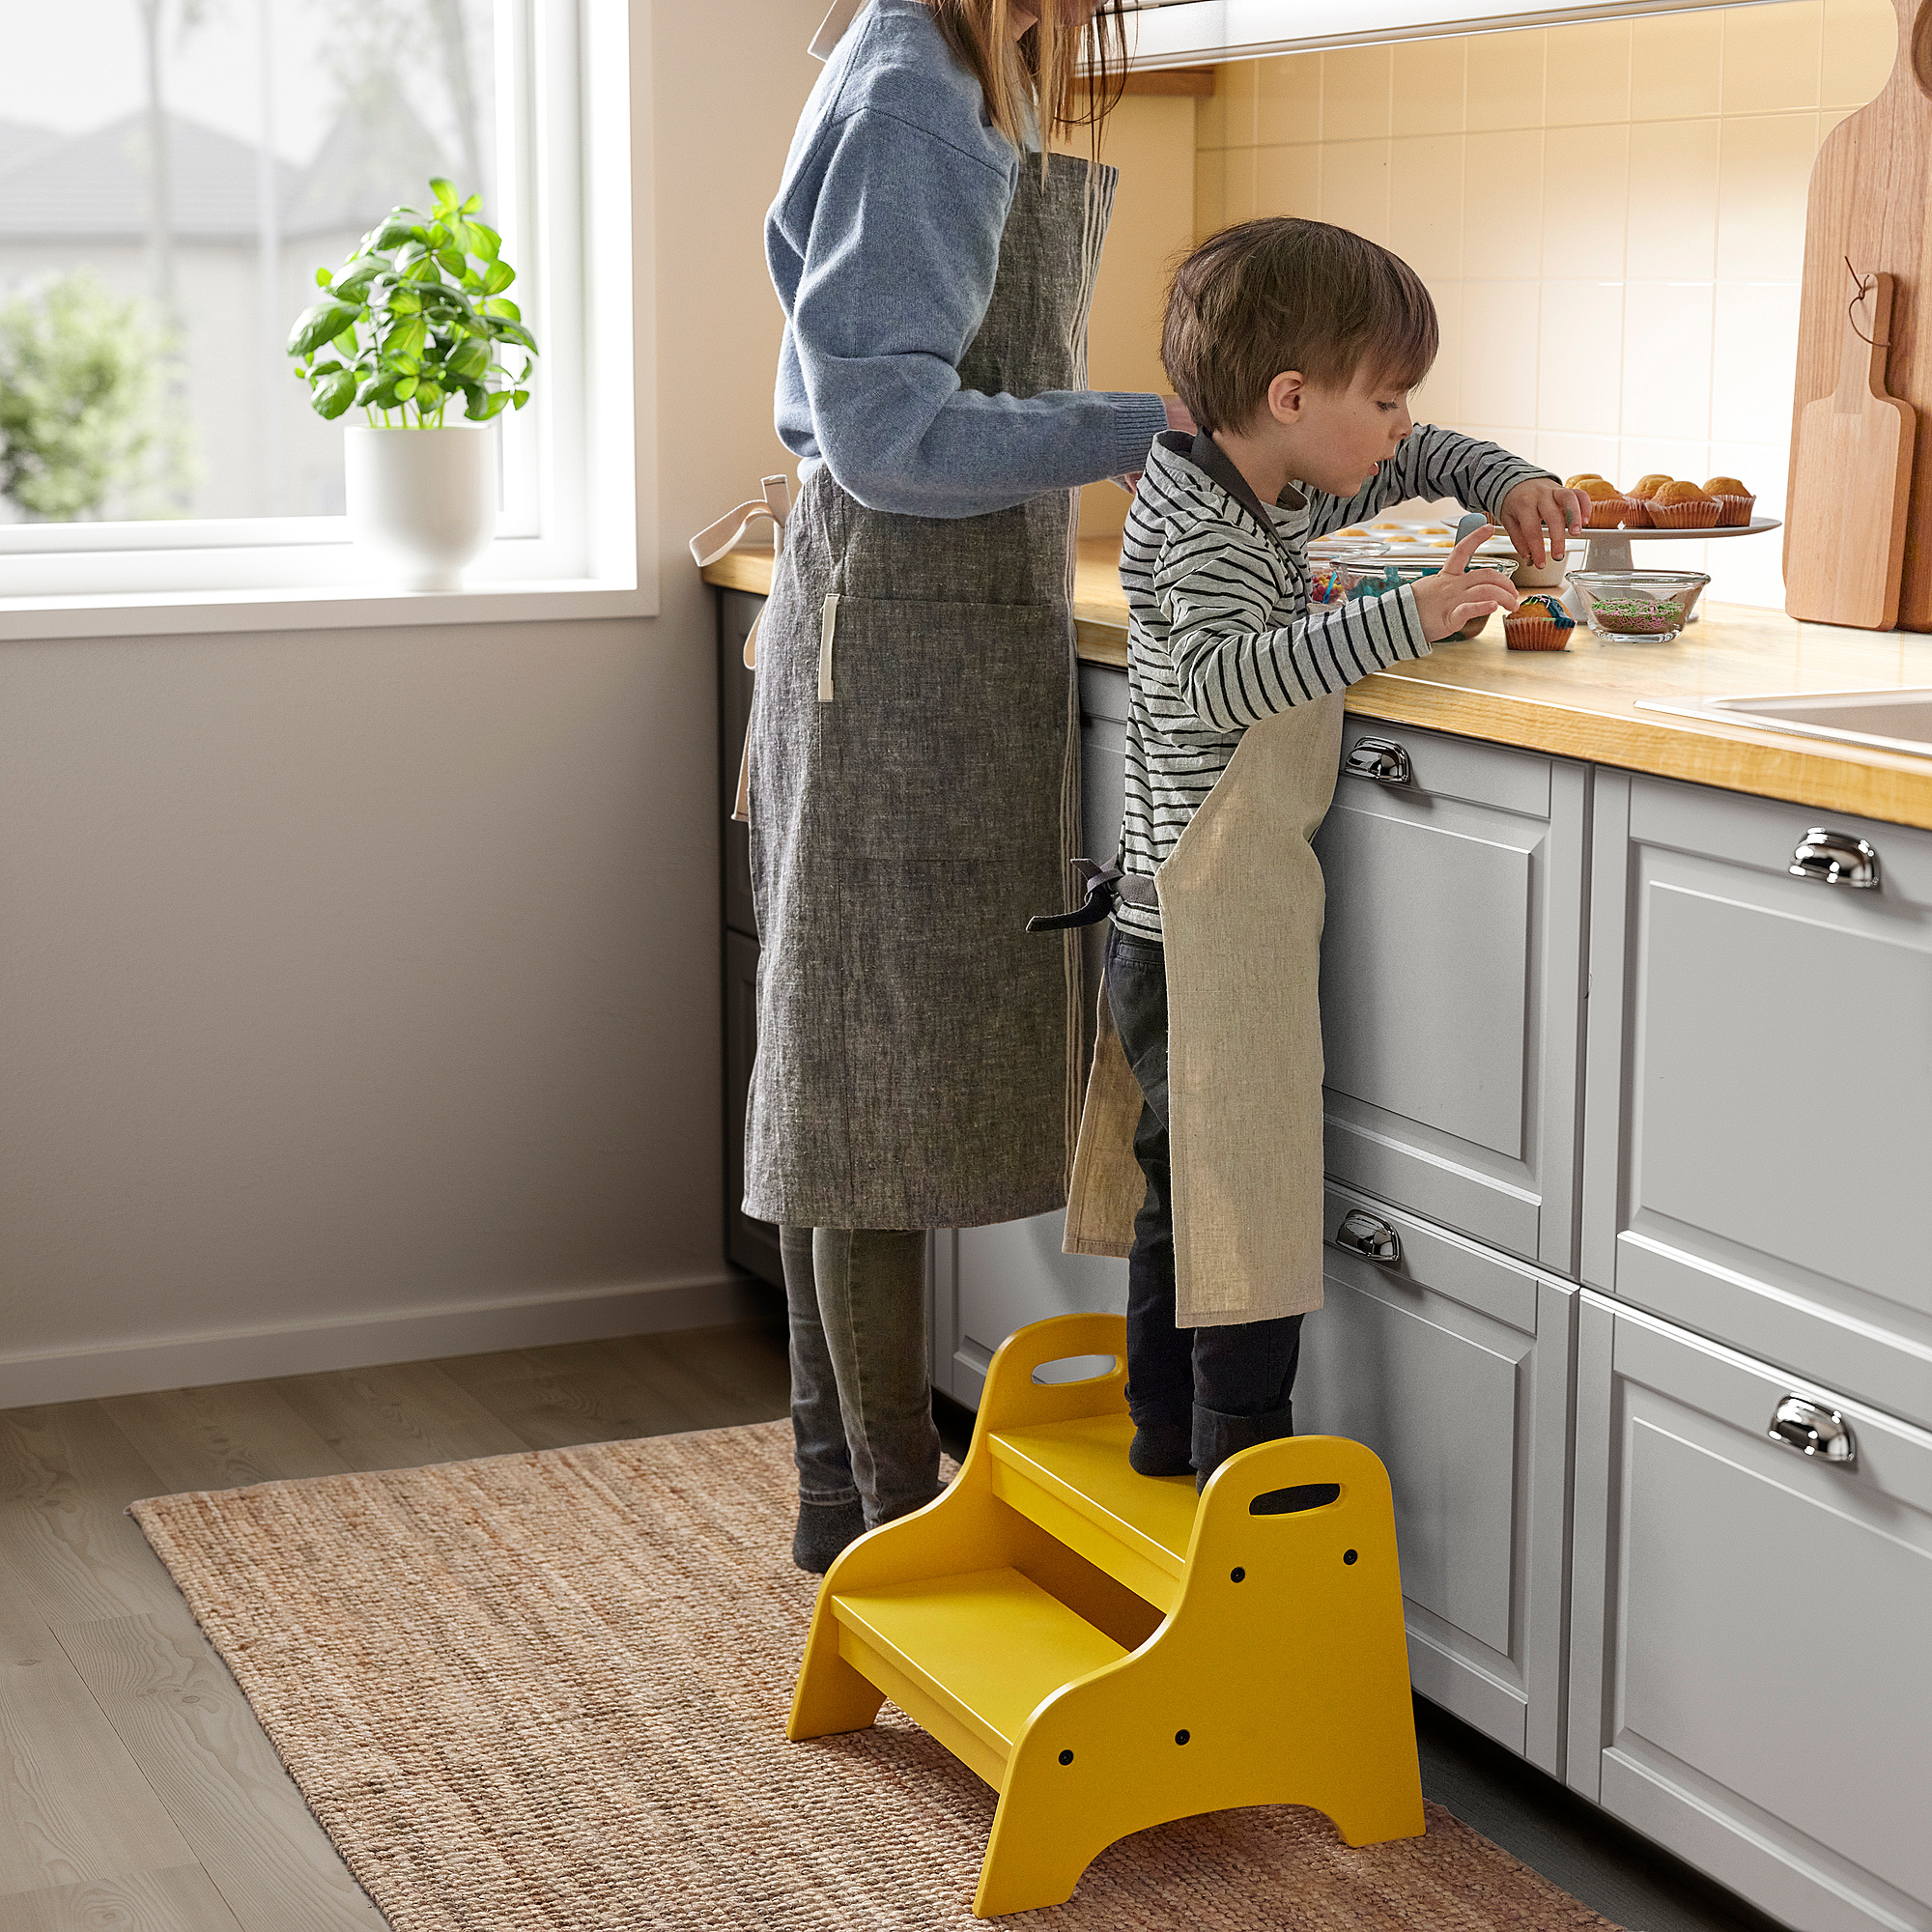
(1229, 1387)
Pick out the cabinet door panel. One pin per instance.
(1452, 1365)
(1417, 962)
(1753, 1679)
(1451, 987)
(1760, 1094)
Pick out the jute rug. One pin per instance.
(549, 1692)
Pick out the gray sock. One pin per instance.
(824, 1529)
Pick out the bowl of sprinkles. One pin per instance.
(1638, 607)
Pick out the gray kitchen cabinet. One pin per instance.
(1452, 1363)
(1751, 1627)
(1759, 1114)
(986, 1281)
(1452, 983)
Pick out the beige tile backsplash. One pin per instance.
(1610, 215)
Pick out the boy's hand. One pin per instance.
(1540, 503)
(1455, 593)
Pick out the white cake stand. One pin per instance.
(1610, 549)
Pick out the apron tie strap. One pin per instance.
(1107, 886)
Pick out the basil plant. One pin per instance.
(414, 318)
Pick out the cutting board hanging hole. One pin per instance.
(1921, 49)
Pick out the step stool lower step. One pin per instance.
(969, 1657)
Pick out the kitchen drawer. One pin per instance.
(1759, 1107)
(753, 1245)
(1751, 1675)
(1452, 985)
(737, 612)
(1452, 1363)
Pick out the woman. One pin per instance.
(914, 764)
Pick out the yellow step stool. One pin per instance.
(1108, 1651)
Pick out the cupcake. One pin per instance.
(1608, 506)
(1647, 486)
(1684, 506)
(1582, 477)
(1735, 502)
(1538, 624)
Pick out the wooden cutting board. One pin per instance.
(1851, 465)
(1869, 189)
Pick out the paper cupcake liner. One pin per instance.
(1539, 634)
(1691, 516)
(1638, 518)
(1734, 513)
(1608, 513)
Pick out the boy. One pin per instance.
(1294, 346)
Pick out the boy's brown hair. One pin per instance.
(1285, 294)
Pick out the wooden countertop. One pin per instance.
(1581, 703)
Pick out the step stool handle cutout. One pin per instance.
(1296, 1499)
(1067, 1371)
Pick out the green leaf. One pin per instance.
(405, 301)
(345, 344)
(484, 241)
(333, 393)
(471, 361)
(470, 206)
(403, 388)
(483, 403)
(445, 194)
(317, 325)
(509, 331)
(398, 229)
(323, 279)
(503, 306)
(520, 397)
(371, 393)
(429, 396)
(498, 277)
(452, 260)
(406, 338)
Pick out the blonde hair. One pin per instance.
(1056, 77)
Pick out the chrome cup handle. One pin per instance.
(1835, 859)
(1364, 1235)
(1381, 759)
(1813, 1430)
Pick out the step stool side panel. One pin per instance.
(1291, 1687)
(1013, 1400)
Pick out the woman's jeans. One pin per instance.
(861, 1383)
(1229, 1387)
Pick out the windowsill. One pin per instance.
(314, 607)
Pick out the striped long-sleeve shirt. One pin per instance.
(1220, 634)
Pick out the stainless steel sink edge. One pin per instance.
(1741, 710)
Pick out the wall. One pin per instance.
(360, 990)
(1150, 139)
(1611, 216)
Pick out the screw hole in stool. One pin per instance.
(1180, 1736)
(1347, 1556)
(1066, 1757)
(1234, 1575)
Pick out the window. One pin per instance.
(164, 205)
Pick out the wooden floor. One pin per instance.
(137, 1790)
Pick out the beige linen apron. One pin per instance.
(1241, 909)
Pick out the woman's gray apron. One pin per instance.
(914, 798)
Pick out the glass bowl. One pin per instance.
(1638, 607)
(1373, 576)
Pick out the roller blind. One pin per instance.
(1185, 31)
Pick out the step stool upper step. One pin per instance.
(984, 1647)
(1073, 1479)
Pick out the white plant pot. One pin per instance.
(423, 503)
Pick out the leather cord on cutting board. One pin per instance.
(706, 547)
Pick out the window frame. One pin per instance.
(573, 125)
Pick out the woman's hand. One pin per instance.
(1455, 593)
(1540, 503)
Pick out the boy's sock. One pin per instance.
(1160, 1449)
(1217, 1436)
(823, 1532)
